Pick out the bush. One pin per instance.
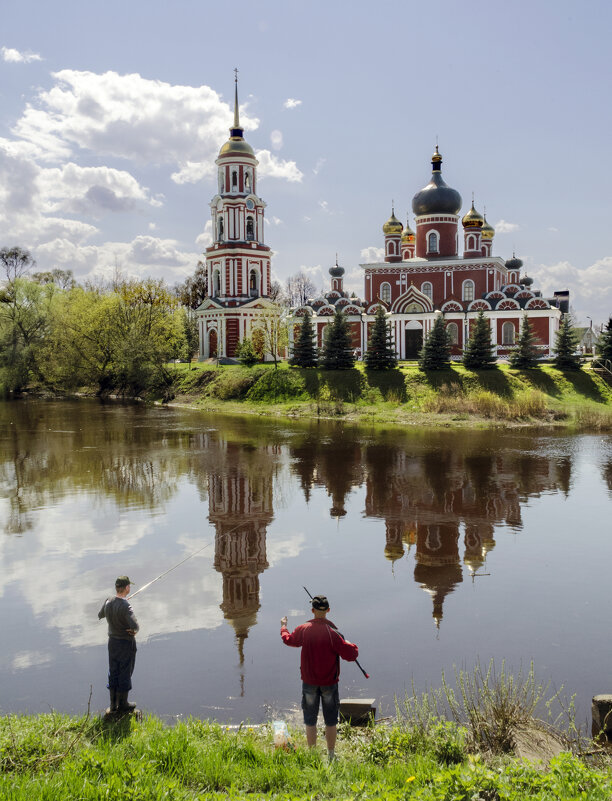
(234, 383)
(276, 385)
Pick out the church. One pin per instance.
(423, 273)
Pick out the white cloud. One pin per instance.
(276, 138)
(317, 167)
(205, 238)
(325, 206)
(291, 102)
(503, 227)
(272, 167)
(590, 287)
(14, 56)
(273, 220)
(372, 254)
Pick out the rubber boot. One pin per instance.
(113, 700)
(123, 705)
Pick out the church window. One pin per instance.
(508, 333)
(392, 248)
(234, 179)
(427, 289)
(247, 180)
(468, 290)
(385, 292)
(471, 242)
(216, 284)
(453, 333)
(253, 284)
(220, 229)
(221, 182)
(432, 242)
(250, 229)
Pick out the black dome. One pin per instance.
(437, 197)
(514, 263)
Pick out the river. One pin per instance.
(436, 548)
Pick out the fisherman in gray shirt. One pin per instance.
(122, 628)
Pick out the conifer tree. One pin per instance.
(526, 353)
(381, 354)
(604, 344)
(338, 348)
(566, 345)
(304, 353)
(246, 352)
(435, 354)
(478, 355)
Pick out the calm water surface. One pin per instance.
(436, 548)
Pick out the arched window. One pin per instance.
(247, 180)
(221, 181)
(453, 333)
(391, 247)
(432, 242)
(234, 179)
(468, 290)
(385, 292)
(250, 229)
(508, 333)
(253, 284)
(220, 229)
(427, 289)
(216, 287)
(471, 242)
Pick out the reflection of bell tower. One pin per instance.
(438, 569)
(240, 507)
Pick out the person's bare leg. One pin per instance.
(330, 739)
(311, 736)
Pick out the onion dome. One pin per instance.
(526, 280)
(236, 144)
(437, 197)
(473, 219)
(336, 271)
(408, 235)
(514, 263)
(393, 226)
(487, 231)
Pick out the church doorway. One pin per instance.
(413, 340)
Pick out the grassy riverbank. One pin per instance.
(54, 757)
(581, 400)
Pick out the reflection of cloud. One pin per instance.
(287, 548)
(26, 659)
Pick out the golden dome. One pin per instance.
(236, 145)
(473, 219)
(393, 226)
(488, 232)
(408, 235)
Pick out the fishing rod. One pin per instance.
(367, 675)
(178, 564)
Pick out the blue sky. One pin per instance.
(112, 114)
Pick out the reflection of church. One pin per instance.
(240, 507)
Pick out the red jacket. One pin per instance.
(321, 647)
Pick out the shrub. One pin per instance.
(234, 383)
(276, 385)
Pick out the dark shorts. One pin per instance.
(330, 701)
(121, 659)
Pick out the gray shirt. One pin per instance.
(120, 618)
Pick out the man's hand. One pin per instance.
(284, 621)
(131, 632)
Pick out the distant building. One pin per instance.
(587, 340)
(423, 275)
(238, 261)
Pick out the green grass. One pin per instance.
(57, 757)
(543, 396)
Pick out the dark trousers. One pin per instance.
(121, 659)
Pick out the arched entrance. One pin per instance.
(413, 334)
(212, 344)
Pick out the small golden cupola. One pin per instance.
(392, 230)
(473, 219)
(408, 242)
(487, 232)
(472, 232)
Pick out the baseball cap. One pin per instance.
(122, 581)
(320, 602)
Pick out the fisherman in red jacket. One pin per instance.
(322, 646)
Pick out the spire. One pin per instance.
(236, 131)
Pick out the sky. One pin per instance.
(112, 114)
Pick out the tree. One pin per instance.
(270, 326)
(381, 354)
(299, 288)
(304, 353)
(15, 262)
(526, 353)
(437, 347)
(194, 289)
(566, 344)
(63, 279)
(246, 352)
(478, 355)
(338, 348)
(604, 343)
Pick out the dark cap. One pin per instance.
(121, 582)
(320, 602)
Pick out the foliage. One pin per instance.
(298, 289)
(566, 343)
(436, 350)
(381, 354)
(525, 355)
(246, 352)
(63, 279)
(191, 344)
(277, 385)
(15, 262)
(194, 289)
(478, 354)
(604, 343)
(337, 348)
(270, 326)
(304, 353)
